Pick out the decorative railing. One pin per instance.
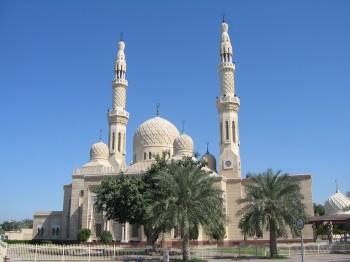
(92, 252)
(3, 249)
(94, 170)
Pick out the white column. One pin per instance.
(126, 232)
(123, 233)
(125, 236)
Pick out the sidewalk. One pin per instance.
(321, 258)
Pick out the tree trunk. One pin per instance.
(273, 240)
(186, 252)
(152, 235)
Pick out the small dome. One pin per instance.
(210, 161)
(99, 150)
(183, 145)
(336, 204)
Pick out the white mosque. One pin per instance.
(155, 136)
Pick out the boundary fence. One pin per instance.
(3, 249)
(54, 252)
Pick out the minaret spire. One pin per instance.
(228, 105)
(100, 136)
(226, 47)
(183, 122)
(157, 109)
(118, 117)
(336, 186)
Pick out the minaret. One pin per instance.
(118, 117)
(228, 105)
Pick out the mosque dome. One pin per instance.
(183, 145)
(156, 131)
(153, 137)
(336, 204)
(99, 150)
(210, 161)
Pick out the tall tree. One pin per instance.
(273, 202)
(192, 197)
(136, 199)
(157, 219)
(121, 198)
(11, 225)
(170, 194)
(318, 209)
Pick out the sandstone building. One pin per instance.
(152, 137)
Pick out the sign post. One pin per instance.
(300, 226)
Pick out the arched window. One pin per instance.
(42, 231)
(144, 156)
(221, 132)
(233, 131)
(57, 231)
(135, 231)
(113, 140)
(226, 129)
(124, 144)
(149, 155)
(176, 232)
(119, 141)
(53, 231)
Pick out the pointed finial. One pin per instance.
(100, 136)
(223, 18)
(336, 186)
(207, 143)
(157, 109)
(121, 36)
(183, 122)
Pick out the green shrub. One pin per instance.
(46, 242)
(192, 260)
(42, 241)
(84, 234)
(106, 237)
(18, 241)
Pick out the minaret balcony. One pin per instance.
(226, 65)
(228, 103)
(119, 112)
(228, 99)
(120, 81)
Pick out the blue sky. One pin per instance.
(56, 63)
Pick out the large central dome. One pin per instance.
(153, 137)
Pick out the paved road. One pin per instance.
(322, 258)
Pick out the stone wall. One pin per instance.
(46, 221)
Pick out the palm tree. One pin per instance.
(273, 202)
(192, 198)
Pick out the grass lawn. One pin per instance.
(258, 251)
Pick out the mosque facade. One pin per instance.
(156, 136)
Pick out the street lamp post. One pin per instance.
(300, 226)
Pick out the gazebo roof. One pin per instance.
(337, 219)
